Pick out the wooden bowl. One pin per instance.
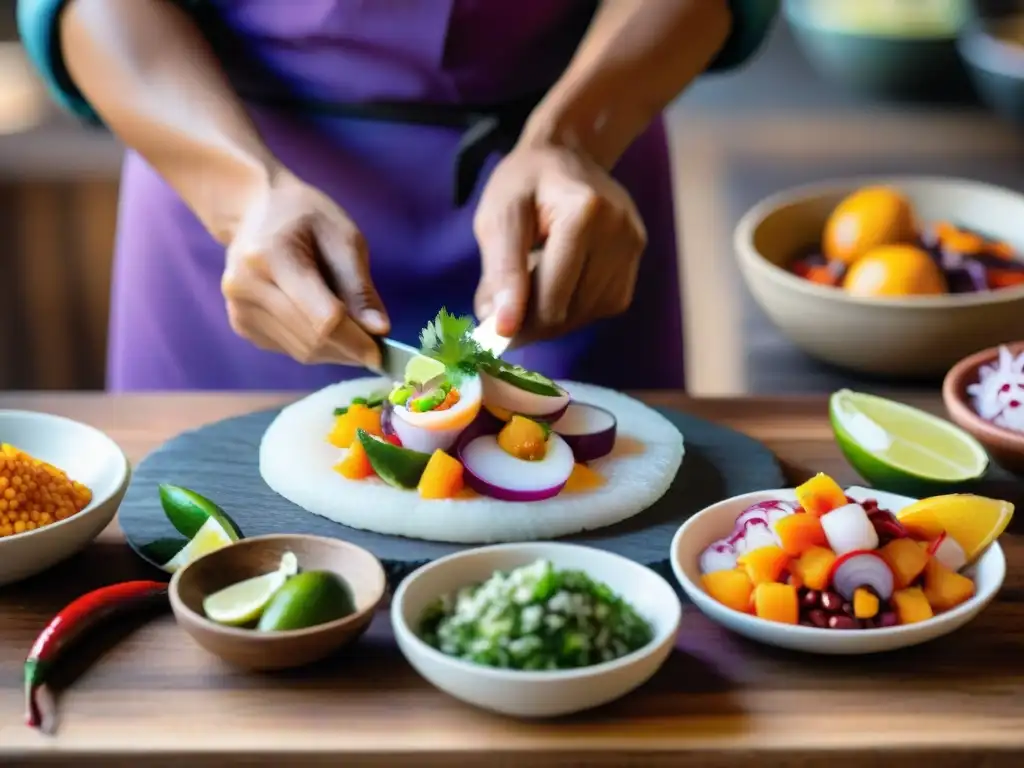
(900, 337)
(1005, 446)
(252, 649)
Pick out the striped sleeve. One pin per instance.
(751, 22)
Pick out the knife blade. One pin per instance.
(394, 356)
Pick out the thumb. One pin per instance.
(505, 241)
(347, 259)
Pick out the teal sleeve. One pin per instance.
(751, 21)
(39, 27)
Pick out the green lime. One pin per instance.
(902, 449)
(188, 512)
(209, 538)
(243, 603)
(163, 550)
(528, 381)
(306, 600)
(396, 466)
(422, 369)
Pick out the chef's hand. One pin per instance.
(297, 278)
(592, 237)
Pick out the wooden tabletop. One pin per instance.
(154, 698)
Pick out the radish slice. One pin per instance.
(458, 417)
(720, 556)
(755, 534)
(589, 431)
(493, 472)
(947, 551)
(421, 439)
(500, 394)
(862, 568)
(848, 529)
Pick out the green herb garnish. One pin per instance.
(449, 340)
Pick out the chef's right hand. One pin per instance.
(297, 278)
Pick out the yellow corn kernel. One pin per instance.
(34, 494)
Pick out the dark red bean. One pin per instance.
(848, 609)
(831, 602)
(842, 622)
(887, 619)
(818, 618)
(810, 599)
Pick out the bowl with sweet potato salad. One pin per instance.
(828, 570)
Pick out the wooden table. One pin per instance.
(155, 698)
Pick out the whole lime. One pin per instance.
(306, 600)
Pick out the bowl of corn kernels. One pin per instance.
(61, 483)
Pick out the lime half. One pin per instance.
(902, 449)
(209, 538)
(243, 603)
(422, 369)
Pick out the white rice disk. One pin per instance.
(296, 462)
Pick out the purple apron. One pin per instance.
(169, 329)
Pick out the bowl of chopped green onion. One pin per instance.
(537, 629)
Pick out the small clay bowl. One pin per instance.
(256, 650)
(1005, 446)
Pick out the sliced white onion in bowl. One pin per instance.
(848, 528)
(719, 556)
(862, 568)
(948, 551)
(589, 430)
(505, 396)
(492, 471)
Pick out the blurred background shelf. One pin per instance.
(736, 138)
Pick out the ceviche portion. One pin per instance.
(465, 423)
(829, 562)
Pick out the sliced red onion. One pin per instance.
(862, 568)
(720, 556)
(413, 437)
(948, 551)
(755, 534)
(588, 429)
(848, 529)
(499, 393)
(492, 471)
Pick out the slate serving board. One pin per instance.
(221, 461)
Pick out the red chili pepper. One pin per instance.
(71, 623)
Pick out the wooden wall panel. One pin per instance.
(54, 298)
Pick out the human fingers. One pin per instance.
(562, 261)
(505, 231)
(346, 257)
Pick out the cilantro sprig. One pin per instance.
(449, 340)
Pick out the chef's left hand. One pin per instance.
(592, 237)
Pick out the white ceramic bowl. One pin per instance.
(536, 694)
(717, 521)
(88, 456)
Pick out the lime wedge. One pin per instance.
(209, 538)
(902, 449)
(188, 512)
(243, 603)
(422, 369)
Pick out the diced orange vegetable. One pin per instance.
(814, 567)
(798, 533)
(467, 493)
(35, 494)
(764, 564)
(450, 399)
(582, 480)
(822, 276)
(442, 478)
(357, 417)
(911, 605)
(865, 604)
(356, 464)
(777, 602)
(523, 438)
(1001, 250)
(730, 588)
(963, 242)
(906, 559)
(820, 495)
(1004, 278)
(944, 588)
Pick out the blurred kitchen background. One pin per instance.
(843, 87)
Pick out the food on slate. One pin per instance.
(998, 395)
(34, 494)
(874, 246)
(829, 562)
(535, 617)
(464, 422)
(73, 622)
(203, 525)
(283, 599)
